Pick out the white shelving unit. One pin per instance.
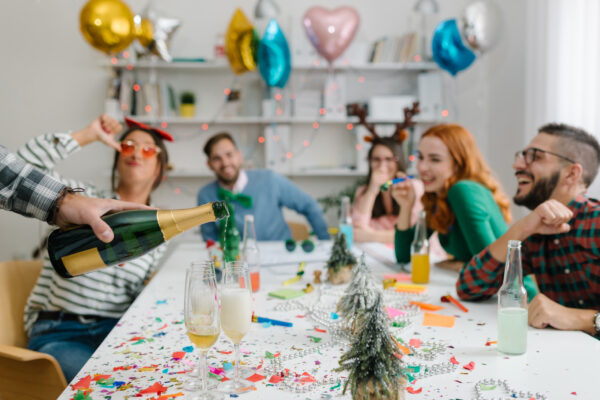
(290, 143)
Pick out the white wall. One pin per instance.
(51, 81)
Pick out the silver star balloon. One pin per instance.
(266, 9)
(163, 30)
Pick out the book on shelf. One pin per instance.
(391, 49)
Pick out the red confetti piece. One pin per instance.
(320, 330)
(276, 355)
(178, 355)
(416, 343)
(135, 339)
(453, 361)
(156, 388)
(225, 352)
(84, 383)
(300, 316)
(255, 378)
(163, 327)
(414, 391)
(275, 379)
(97, 377)
(307, 379)
(169, 396)
(574, 393)
(470, 366)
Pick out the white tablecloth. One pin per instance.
(139, 351)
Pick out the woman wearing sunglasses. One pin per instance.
(69, 318)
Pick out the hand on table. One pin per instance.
(544, 312)
(452, 265)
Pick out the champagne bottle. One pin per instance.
(76, 251)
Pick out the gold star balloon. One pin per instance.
(241, 43)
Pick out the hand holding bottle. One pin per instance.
(80, 210)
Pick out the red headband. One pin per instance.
(135, 124)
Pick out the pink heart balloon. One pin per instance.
(330, 32)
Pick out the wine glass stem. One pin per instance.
(203, 372)
(236, 371)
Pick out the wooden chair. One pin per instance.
(299, 230)
(24, 374)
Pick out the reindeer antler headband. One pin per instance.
(399, 134)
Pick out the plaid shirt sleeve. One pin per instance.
(24, 189)
(481, 278)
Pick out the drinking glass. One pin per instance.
(202, 319)
(236, 317)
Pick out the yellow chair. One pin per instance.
(299, 230)
(24, 374)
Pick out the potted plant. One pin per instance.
(188, 101)
(341, 262)
(373, 361)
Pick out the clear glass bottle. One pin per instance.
(419, 252)
(250, 252)
(346, 221)
(512, 304)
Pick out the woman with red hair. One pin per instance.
(463, 201)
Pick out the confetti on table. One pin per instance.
(83, 383)
(255, 378)
(470, 366)
(334, 316)
(426, 306)
(410, 288)
(320, 330)
(315, 339)
(393, 312)
(178, 355)
(82, 395)
(416, 343)
(453, 361)
(399, 277)
(98, 377)
(161, 302)
(445, 321)
(414, 391)
(188, 349)
(227, 366)
(275, 379)
(156, 388)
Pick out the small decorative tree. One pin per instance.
(341, 261)
(359, 295)
(373, 361)
(187, 107)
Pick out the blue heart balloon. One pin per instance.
(449, 51)
(274, 59)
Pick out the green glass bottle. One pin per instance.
(229, 235)
(76, 251)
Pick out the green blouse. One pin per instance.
(478, 222)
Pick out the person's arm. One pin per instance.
(26, 190)
(292, 197)
(359, 219)
(481, 277)
(402, 241)
(469, 205)
(544, 312)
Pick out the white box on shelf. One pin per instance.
(389, 107)
(430, 95)
(277, 145)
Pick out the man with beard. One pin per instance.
(261, 193)
(560, 237)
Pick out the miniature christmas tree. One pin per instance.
(229, 235)
(373, 361)
(341, 261)
(359, 295)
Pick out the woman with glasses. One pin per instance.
(375, 212)
(69, 318)
(463, 201)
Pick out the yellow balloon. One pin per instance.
(107, 25)
(241, 43)
(144, 32)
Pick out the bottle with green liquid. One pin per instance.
(512, 304)
(77, 251)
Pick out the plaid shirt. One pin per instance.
(566, 266)
(24, 189)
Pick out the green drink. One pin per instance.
(76, 251)
(512, 330)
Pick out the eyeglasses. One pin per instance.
(530, 155)
(388, 160)
(128, 147)
(306, 245)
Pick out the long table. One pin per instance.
(148, 353)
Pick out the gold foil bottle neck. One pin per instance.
(174, 222)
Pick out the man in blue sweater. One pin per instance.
(261, 193)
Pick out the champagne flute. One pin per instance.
(202, 319)
(236, 317)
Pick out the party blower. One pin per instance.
(387, 185)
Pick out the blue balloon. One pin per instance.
(274, 59)
(449, 51)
